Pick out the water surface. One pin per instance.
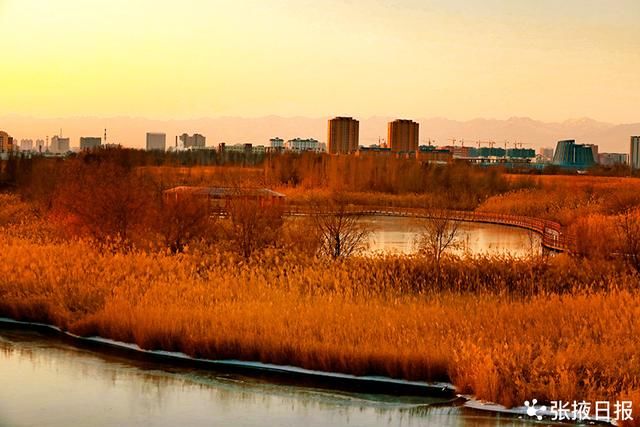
(45, 382)
(399, 235)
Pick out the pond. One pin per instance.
(400, 234)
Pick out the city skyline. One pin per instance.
(130, 132)
(406, 58)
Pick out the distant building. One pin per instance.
(613, 159)
(59, 145)
(373, 150)
(634, 153)
(487, 152)
(310, 144)
(40, 147)
(521, 153)
(196, 141)
(220, 198)
(6, 142)
(26, 145)
(431, 154)
(546, 154)
(458, 151)
(570, 154)
(594, 152)
(277, 143)
(246, 148)
(402, 136)
(343, 135)
(156, 141)
(90, 142)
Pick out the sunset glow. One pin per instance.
(545, 59)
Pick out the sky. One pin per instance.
(547, 59)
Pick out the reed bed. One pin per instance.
(503, 329)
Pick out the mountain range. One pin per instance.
(130, 131)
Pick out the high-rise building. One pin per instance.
(402, 136)
(570, 154)
(343, 135)
(634, 153)
(90, 142)
(6, 142)
(195, 141)
(59, 145)
(156, 141)
(40, 147)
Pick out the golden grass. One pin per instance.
(504, 330)
(567, 198)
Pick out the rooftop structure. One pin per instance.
(220, 198)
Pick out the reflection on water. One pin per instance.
(398, 235)
(47, 383)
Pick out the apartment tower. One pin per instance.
(402, 136)
(156, 141)
(343, 135)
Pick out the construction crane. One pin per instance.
(489, 143)
(428, 141)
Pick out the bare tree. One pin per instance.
(254, 225)
(341, 232)
(535, 244)
(105, 199)
(438, 234)
(628, 227)
(182, 220)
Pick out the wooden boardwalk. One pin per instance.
(553, 237)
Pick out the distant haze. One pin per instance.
(131, 132)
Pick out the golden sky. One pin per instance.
(548, 59)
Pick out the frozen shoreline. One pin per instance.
(379, 383)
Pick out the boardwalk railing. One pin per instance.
(551, 232)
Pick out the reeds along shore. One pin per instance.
(502, 329)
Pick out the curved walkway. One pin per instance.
(553, 237)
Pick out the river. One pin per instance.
(47, 382)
